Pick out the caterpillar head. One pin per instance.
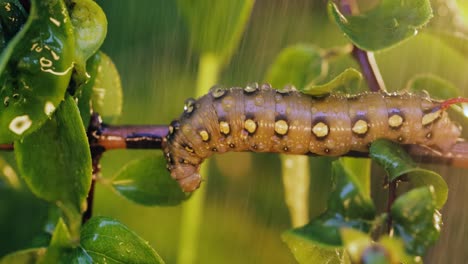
(187, 176)
(443, 133)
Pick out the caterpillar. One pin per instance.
(262, 119)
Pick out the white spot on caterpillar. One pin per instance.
(395, 121)
(281, 127)
(320, 130)
(20, 124)
(49, 108)
(360, 127)
(430, 117)
(224, 127)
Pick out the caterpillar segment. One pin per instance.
(263, 119)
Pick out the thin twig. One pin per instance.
(366, 60)
(392, 187)
(107, 137)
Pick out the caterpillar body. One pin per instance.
(263, 119)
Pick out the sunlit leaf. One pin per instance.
(90, 28)
(436, 86)
(107, 90)
(35, 70)
(389, 23)
(416, 220)
(355, 243)
(61, 142)
(306, 252)
(297, 65)
(396, 162)
(216, 26)
(24, 256)
(106, 240)
(361, 248)
(348, 81)
(147, 181)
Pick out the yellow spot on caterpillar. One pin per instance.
(395, 121)
(250, 126)
(281, 127)
(189, 149)
(218, 92)
(224, 127)
(430, 117)
(204, 135)
(360, 127)
(320, 130)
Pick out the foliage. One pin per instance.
(53, 75)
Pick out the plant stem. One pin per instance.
(366, 60)
(96, 153)
(296, 181)
(392, 187)
(208, 72)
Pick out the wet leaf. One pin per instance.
(106, 240)
(216, 26)
(437, 87)
(61, 142)
(396, 162)
(306, 252)
(24, 256)
(12, 18)
(389, 23)
(297, 65)
(348, 81)
(35, 70)
(90, 28)
(349, 206)
(107, 90)
(147, 181)
(416, 220)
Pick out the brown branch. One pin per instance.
(366, 60)
(107, 137)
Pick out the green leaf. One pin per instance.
(107, 90)
(297, 65)
(361, 248)
(355, 243)
(26, 256)
(306, 252)
(35, 70)
(389, 23)
(348, 81)
(215, 26)
(12, 18)
(85, 94)
(396, 162)
(349, 206)
(90, 28)
(416, 220)
(147, 181)
(60, 245)
(437, 87)
(106, 240)
(55, 161)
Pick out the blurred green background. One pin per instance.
(245, 211)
